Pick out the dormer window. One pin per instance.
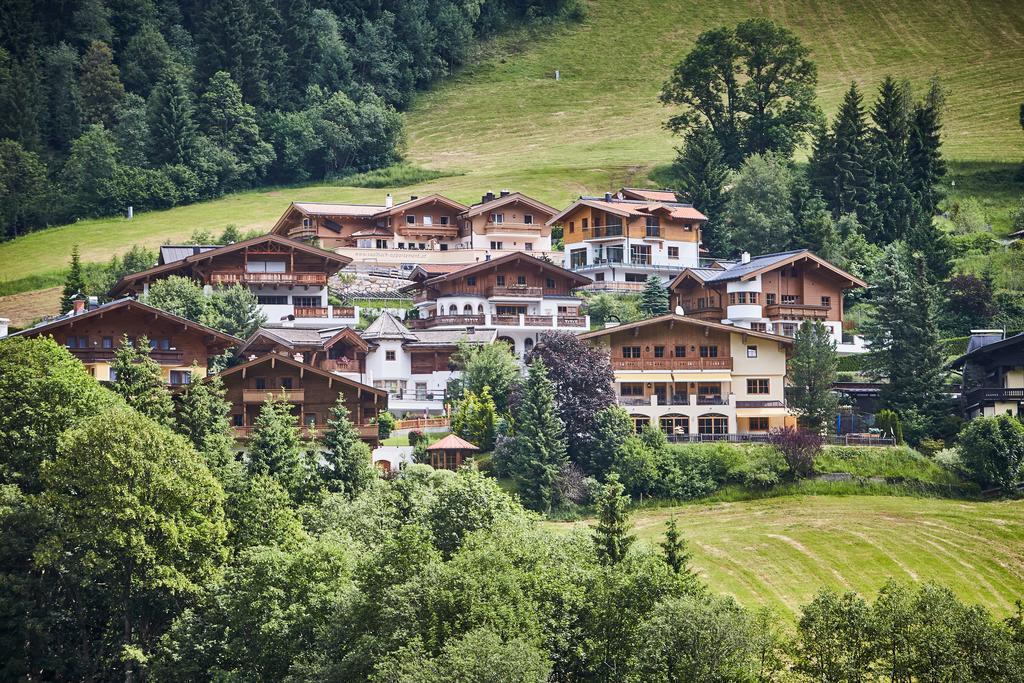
(306, 223)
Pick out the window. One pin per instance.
(550, 283)
(572, 227)
(757, 424)
(790, 298)
(471, 281)
(527, 219)
(444, 247)
(521, 280)
(757, 386)
(497, 218)
(758, 327)
(630, 351)
(108, 342)
(673, 252)
(422, 246)
(497, 246)
(640, 254)
(445, 220)
(688, 227)
(382, 244)
(499, 280)
(389, 355)
(632, 389)
(751, 352)
(659, 351)
(309, 419)
(732, 298)
(680, 351)
(770, 298)
(529, 246)
(675, 424)
(639, 422)
(260, 382)
(752, 296)
(286, 382)
(789, 329)
(401, 245)
(181, 377)
(78, 342)
(636, 277)
(586, 223)
(653, 226)
(712, 424)
(578, 258)
(421, 391)
(238, 419)
(826, 301)
(599, 277)
(709, 352)
(410, 219)
(265, 267)
(271, 300)
(741, 297)
(306, 301)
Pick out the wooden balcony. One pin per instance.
(338, 365)
(366, 431)
(796, 312)
(163, 357)
(526, 228)
(226, 277)
(260, 395)
(672, 363)
(516, 291)
(439, 320)
(992, 394)
(421, 230)
(343, 311)
(310, 311)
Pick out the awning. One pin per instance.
(761, 412)
(702, 376)
(643, 377)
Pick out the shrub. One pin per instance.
(901, 462)
(799, 448)
(929, 447)
(992, 449)
(889, 423)
(385, 424)
(685, 473)
(414, 437)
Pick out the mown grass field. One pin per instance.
(779, 551)
(506, 123)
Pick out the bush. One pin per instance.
(385, 424)
(889, 423)
(992, 450)
(929, 447)
(901, 462)
(414, 437)
(799, 448)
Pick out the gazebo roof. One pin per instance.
(452, 443)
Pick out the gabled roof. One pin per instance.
(497, 202)
(329, 209)
(483, 266)
(346, 334)
(289, 337)
(448, 338)
(420, 201)
(664, 195)
(337, 260)
(387, 326)
(452, 443)
(986, 349)
(761, 264)
(630, 207)
(223, 340)
(304, 367)
(425, 271)
(169, 253)
(697, 322)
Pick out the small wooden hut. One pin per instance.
(449, 452)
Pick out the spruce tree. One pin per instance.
(702, 174)
(851, 187)
(203, 418)
(611, 535)
(927, 166)
(812, 370)
(539, 446)
(172, 130)
(894, 200)
(139, 381)
(275, 447)
(100, 84)
(346, 459)
(654, 297)
(902, 336)
(74, 282)
(64, 103)
(674, 547)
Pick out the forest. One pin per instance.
(106, 104)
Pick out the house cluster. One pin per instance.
(714, 366)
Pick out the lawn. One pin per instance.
(779, 551)
(506, 123)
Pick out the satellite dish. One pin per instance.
(679, 310)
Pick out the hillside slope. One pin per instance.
(507, 123)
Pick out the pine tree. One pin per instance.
(895, 202)
(902, 336)
(851, 190)
(676, 554)
(139, 381)
(100, 84)
(812, 370)
(611, 535)
(654, 298)
(275, 447)
(927, 166)
(346, 462)
(203, 418)
(64, 103)
(172, 130)
(540, 448)
(74, 283)
(702, 174)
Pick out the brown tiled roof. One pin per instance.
(452, 443)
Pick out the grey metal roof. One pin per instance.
(169, 253)
(452, 337)
(387, 326)
(979, 340)
(305, 336)
(738, 270)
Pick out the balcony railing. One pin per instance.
(796, 311)
(224, 277)
(512, 227)
(163, 357)
(366, 431)
(672, 363)
(604, 232)
(310, 311)
(516, 291)
(438, 320)
(427, 230)
(338, 365)
(260, 395)
(986, 394)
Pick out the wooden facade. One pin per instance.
(344, 351)
(641, 221)
(311, 391)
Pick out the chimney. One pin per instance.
(745, 257)
(607, 196)
(389, 201)
(483, 199)
(79, 304)
(94, 302)
(5, 324)
(413, 197)
(490, 196)
(505, 193)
